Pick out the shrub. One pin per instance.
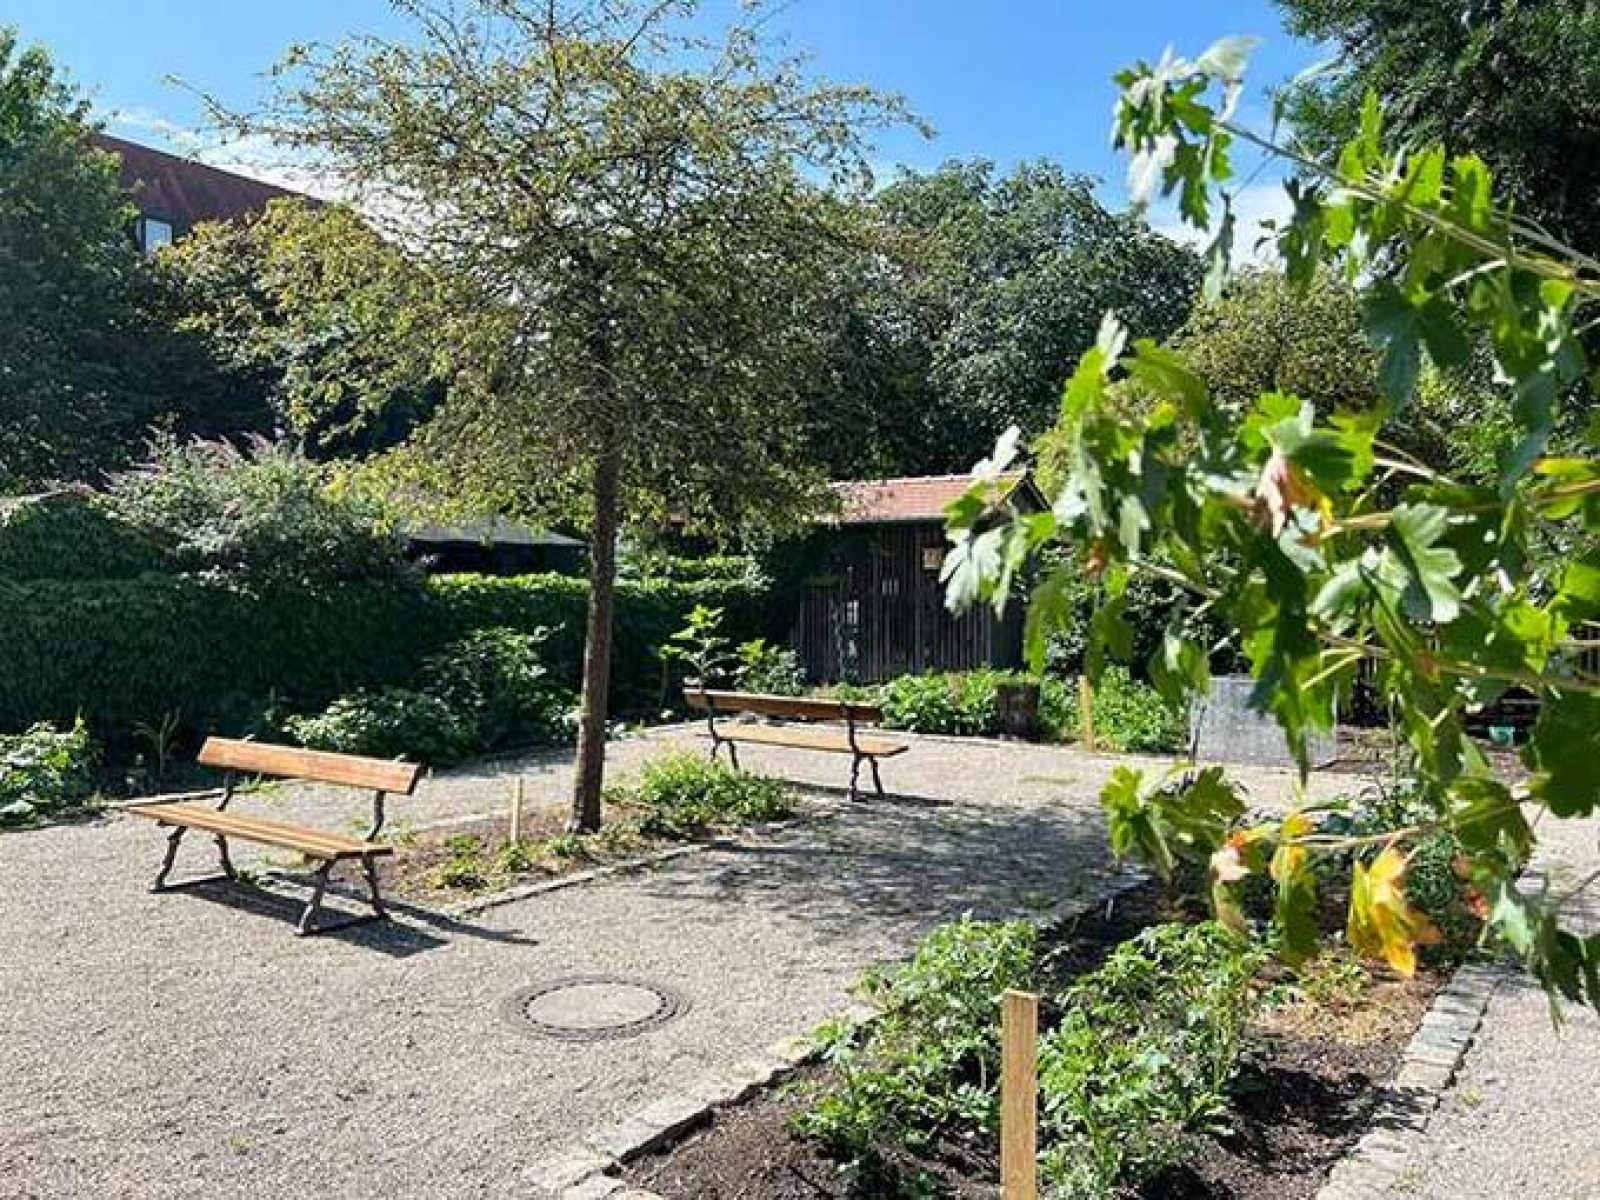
(69, 535)
(1132, 717)
(265, 514)
(44, 771)
(684, 794)
(496, 678)
(1142, 1056)
(960, 704)
(774, 670)
(387, 723)
(930, 1061)
(121, 651)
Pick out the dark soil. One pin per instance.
(1302, 1098)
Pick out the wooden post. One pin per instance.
(1019, 1096)
(1085, 712)
(517, 786)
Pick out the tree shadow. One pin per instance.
(875, 868)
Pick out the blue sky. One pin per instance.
(1000, 79)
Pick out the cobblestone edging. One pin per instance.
(581, 1171)
(1380, 1160)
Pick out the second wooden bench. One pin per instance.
(851, 714)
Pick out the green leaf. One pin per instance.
(1429, 592)
(1565, 750)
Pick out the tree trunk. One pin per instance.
(590, 775)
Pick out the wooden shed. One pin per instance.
(871, 606)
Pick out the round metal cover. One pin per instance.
(592, 1008)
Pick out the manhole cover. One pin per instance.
(588, 1008)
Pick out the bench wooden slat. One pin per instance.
(802, 707)
(379, 774)
(311, 842)
(801, 738)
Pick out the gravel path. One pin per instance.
(1523, 1117)
(185, 1045)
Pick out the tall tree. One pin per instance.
(999, 279)
(1515, 81)
(312, 308)
(639, 225)
(89, 360)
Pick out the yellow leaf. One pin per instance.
(1383, 924)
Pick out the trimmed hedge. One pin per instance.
(118, 651)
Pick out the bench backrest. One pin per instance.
(805, 708)
(291, 762)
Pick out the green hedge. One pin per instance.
(119, 651)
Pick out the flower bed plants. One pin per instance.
(1176, 1060)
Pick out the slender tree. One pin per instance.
(639, 226)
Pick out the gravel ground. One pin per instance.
(186, 1045)
(1523, 1117)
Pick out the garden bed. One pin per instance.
(1308, 1081)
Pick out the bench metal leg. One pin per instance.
(877, 780)
(733, 756)
(222, 853)
(173, 839)
(855, 776)
(318, 886)
(369, 867)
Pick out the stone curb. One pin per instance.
(1407, 1103)
(582, 1171)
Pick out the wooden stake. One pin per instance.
(1019, 1096)
(1085, 712)
(516, 808)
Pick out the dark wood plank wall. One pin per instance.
(878, 612)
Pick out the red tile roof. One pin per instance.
(183, 192)
(915, 499)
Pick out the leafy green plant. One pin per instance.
(681, 795)
(1351, 555)
(387, 723)
(45, 772)
(496, 678)
(930, 1061)
(1142, 1057)
(773, 670)
(161, 738)
(705, 652)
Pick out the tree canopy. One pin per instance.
(997, 280)
(640, 229)
(1516, 83)
(90, 362)
(310, 307)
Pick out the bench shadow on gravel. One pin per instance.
(875, 867)
(423, 930)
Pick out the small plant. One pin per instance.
(161, 738)
(45, 772)
(773, 670)
(703, 650)
(516, 858)
(1142, 1057)
(682, 795)
(930, 1062)
(387, 723)
(465, 869)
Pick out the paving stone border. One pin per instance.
(1383, 1156)
(583, 1171)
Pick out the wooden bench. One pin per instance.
(849, 740)
(383, 776)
